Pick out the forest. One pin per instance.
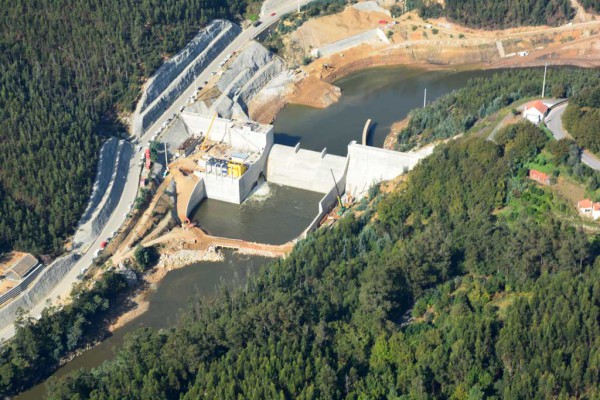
(65, 77)
(494, 14)
(414, 296)
(591, 5)
(411, 295)
(458, 111)
(582, 118)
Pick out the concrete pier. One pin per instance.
(365, 135)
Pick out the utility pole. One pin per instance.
(544, 84)
(425, 98)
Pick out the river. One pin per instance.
(384, 94)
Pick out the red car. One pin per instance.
(273, 14)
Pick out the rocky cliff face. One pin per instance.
(245, 76)
(179, 72)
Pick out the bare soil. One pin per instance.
(413, 42)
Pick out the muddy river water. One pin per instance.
(275, 214)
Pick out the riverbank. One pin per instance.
(139, 303)
(414, 42)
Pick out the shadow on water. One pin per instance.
(371, 132)
(287, 140)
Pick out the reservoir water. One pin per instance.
(277, 214)
(385, 95)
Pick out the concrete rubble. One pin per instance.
(183, 258)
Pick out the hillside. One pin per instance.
(497, 14)
(417, 297)
(64, 79)
(460, 110)
(582, 118)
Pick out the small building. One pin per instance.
(21, 268)
(539, 177)
(589, 209)
(535, 111)
(596, 211)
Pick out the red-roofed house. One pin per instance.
(585, 206)
(535, 111)
(589, 209)
(539, 177)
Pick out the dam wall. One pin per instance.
(304, 169)
(326, 204)
(198, 194)
(370, 165)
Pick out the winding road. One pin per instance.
(272, 12)
(554, 123)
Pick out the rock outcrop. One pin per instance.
(175, 75)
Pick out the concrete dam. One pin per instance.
(237, 154)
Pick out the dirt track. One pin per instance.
(414, 43)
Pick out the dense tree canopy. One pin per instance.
(591, 5)
(67, 69)
(497, 14)
(582, 118)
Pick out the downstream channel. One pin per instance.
(277, 214)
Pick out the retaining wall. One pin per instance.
(327, 203)
(40, 288)
(176, 64)
(371, 36)
(176, 85)
(106, 166)
(20, 288)
(89, 231)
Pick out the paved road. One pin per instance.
(132, 179)
(554, 123)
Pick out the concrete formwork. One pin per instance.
(369, 165)
(304, 169)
